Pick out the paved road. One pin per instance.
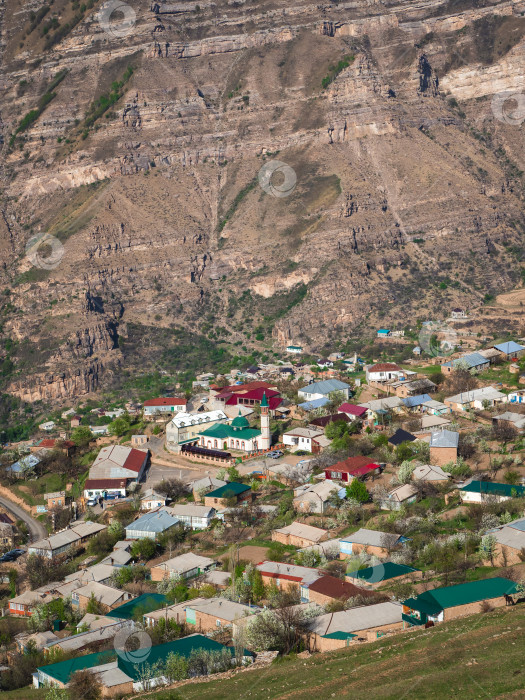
(36, 529)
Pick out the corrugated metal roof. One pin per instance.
(381, 572)
(464, 593)
(444, 438)
(510, 347)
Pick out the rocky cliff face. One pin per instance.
(402, 173)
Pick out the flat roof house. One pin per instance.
(299, 535)
(369, 622)
(150, 525)
(450, 602)
(185, 565)
(372, 541)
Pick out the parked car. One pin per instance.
(275, 454)
(92, 502)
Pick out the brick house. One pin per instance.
(450, 602)
(213, 614)
(353, 467)
(366, 623)
(185, 565)
(443, 447)
(371, 541)
(299, 535)
(326, 589)
(106, 596)
(287, 577)
(219, 498)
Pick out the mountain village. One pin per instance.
(300, 507)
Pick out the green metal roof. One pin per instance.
(382, 572)
(63, 670)
(145, 603)
(264, 402)
(493, 489)
(240, 422)
(223, 431)
(464, 593)
(339, 635)
(232, 488)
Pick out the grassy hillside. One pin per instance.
(476, 657)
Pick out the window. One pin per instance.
(218, 623)
(336, 475)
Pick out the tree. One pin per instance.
(82, 436)
(93, 605)
(171, 488)
(118, 427)
(176, 667)
(41, 570)
(282, 630)
(404, 473)
(144, 548)
(487, 548)
(86, 685)
(512, 477)
(54, 693)
(335, 399)
(358, 491)
(504, 432)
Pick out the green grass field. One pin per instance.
(477, 657)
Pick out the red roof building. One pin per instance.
(329, 588)
(165, 401)
(249, 395)
(352, 410)
(353, 467)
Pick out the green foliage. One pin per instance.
(81, 436)
(144, 548)
(238, 199)
(358, 491)
(333, 71)
(105, 101)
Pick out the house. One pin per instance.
(150, 525)
(192, 515)
(322, 390)
(101, 573)
(213, 614)
(400, 496)
(517, 396)
(516, 420)
(314, 405)
(414, 387)
(327, 589)
(23, 466)
(75, 421)
(249, 395)
(22, 605)
(139, 606)
(352, 411)
(56, 499)
(443, 447)
(375, 576)
(163, 406)
(317, 498)
(383, 372)
(303, 439)
(377, 409)
(366, 623)
(48, 426)
(201, 487)
(353, 467)
(373, 542)
(119, 462)
(430, 423)
(99, 430)
(7, 535)
(46, 445)
(416, 403)
(84, 638)
(106, 596)
(474, 362)
(489, 491)
(185, 565)
(25, 642)
(492, 355)
(510, 543)
(451, 602)
(479, 399)
(139, 440)
(151, 500)
(238, 435)
(232, 490)
(294, 349)
(383, 333)
(435, 408)
(323, 421)
(458, 313)
(185, 427)
(510, 350)
(299, 535)
(176, 612)
(401, 436)
(67, 539)
(119, 556)
(287, 576)
(96, 488)
(429, 472)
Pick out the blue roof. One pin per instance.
(509, 348)
(412, 401)
(325, 387)
(518, 525)
(473, 359)
(315, 403)
(24, 464)
(153, 522)
(383, 330)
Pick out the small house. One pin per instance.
(287, 577)
(489, 491)
(163, 406)
(375, 576)
(373, 542)
(400, 496)
(150, 525)
(302, 439)
(151, 500)
(443, 447)
(220, 498)
(510, 350)
(383, 372)
(106, 596)
(327, 589)
(194, 516)
(430, 472)
(299, 535)
(351, 468)
(214, 614)
(186, 566)
(322, 390)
